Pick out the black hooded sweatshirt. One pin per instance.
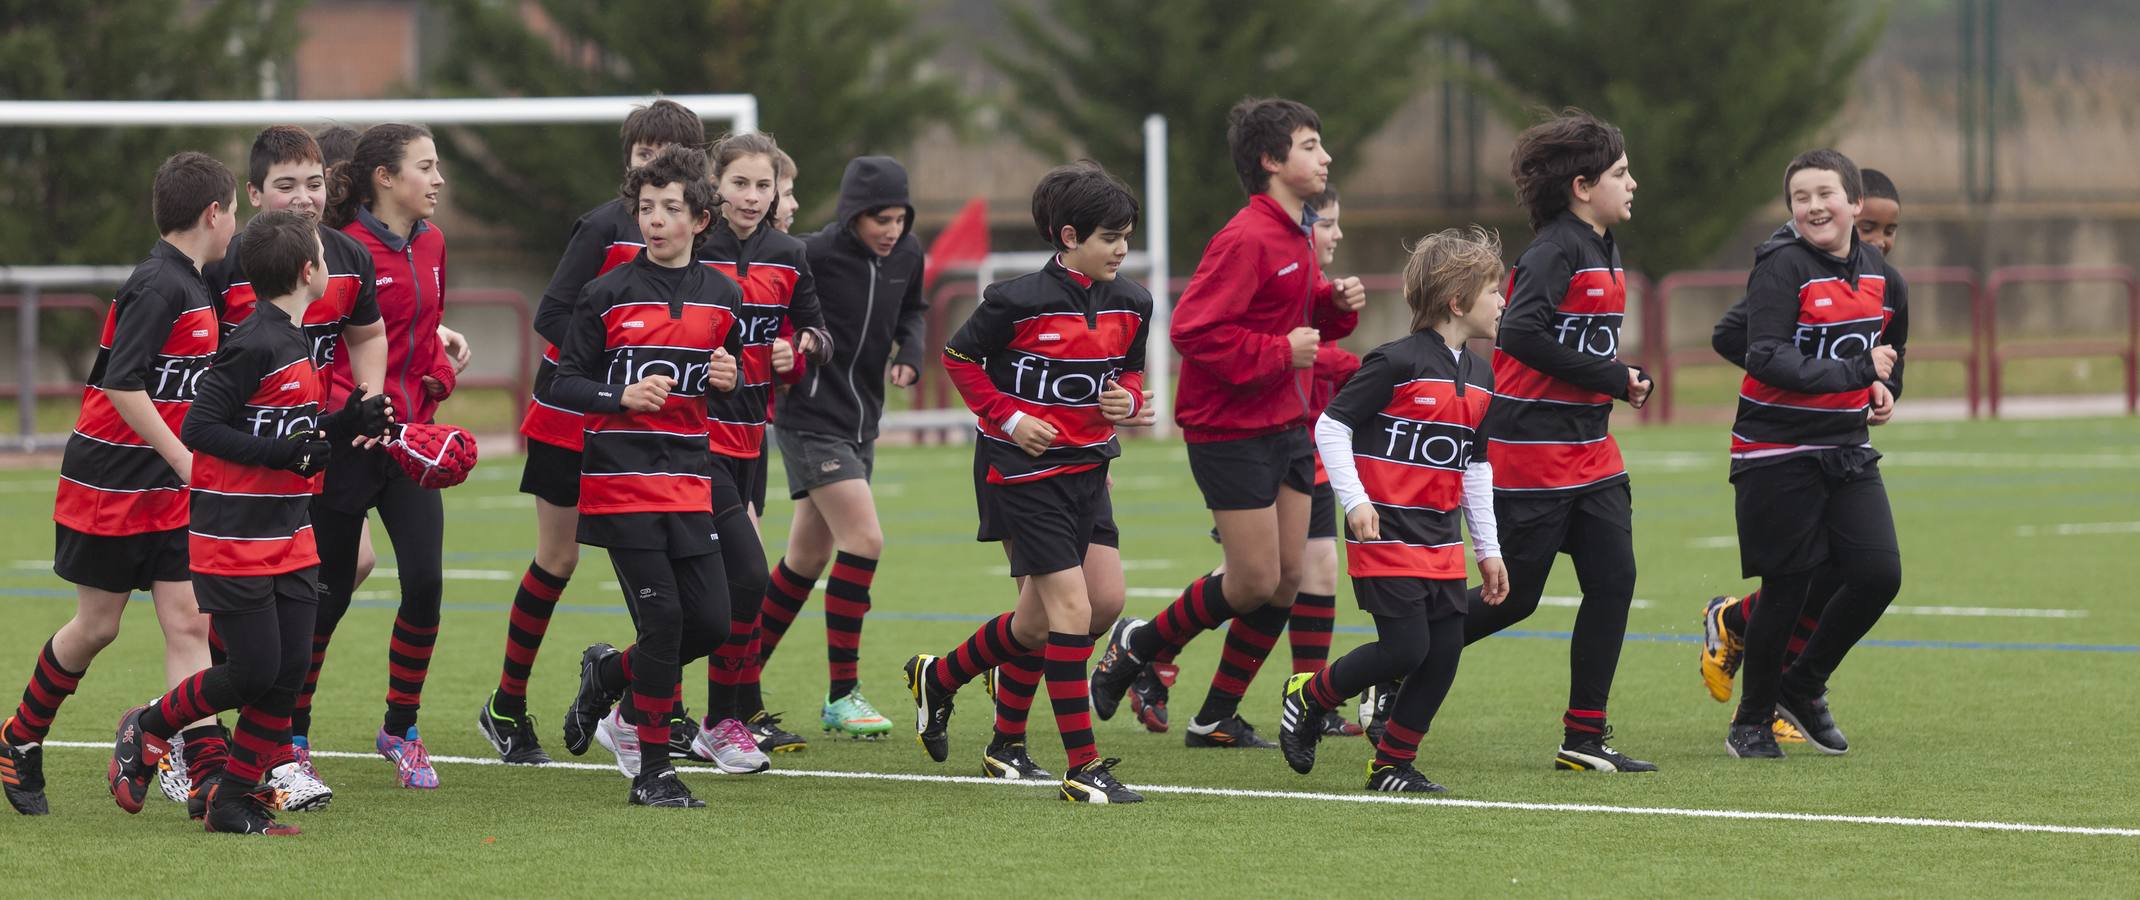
(871, 303)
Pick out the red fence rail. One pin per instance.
(2126, 349)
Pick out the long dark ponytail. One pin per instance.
(351, 186)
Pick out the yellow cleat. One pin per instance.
(1786, 733)
(1721, 649)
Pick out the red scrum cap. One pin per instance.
(434, 456)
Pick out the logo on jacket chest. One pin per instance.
(1437, 444)
(630, 365)
(1596, 335)
(1060, 382)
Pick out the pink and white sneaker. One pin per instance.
(411, 761)
(730, 746)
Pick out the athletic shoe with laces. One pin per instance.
(1811, 717)
(1094, 782)
(1752, 742)
(1786, 733)
(765, 729)
(412, 763)
(1008, 760)
(683, 735)
(621, 738)
(297, 789)
(1232, 731)
(658, 786)
(233, 808)
(1592, 754)
(1148, 695)
(730, 747)
(1375, 710)
(1117, 668)
(853, 716)
(514, 739)
(1722, 650)
(932, 706)
(172, 776)
(1300, 724)
(1400, 779)
(590, 703)
(1336, 725)
(22, 776)
(133, 758)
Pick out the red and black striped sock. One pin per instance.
(301, 716)
(1063, 663)
(650, 718)
(1399, 745)
(1582, 724)
(732, 663)
(259, 736)
(991, 646)
(208, 751)
(1017, 681)
(1200, 608)
(50, 685)
(1309, 630)
(1249, 640)
(1738, 614)
(750, 698)
(217, 655)
(533, 605)
(846, 602)
(408, 660)
(202, 694)
(1323, 689)
(786, 592)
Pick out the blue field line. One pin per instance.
(904, 616)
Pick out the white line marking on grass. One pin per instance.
(33, 565)
(1990, 612)
(456, 574)
(1363, 797)
(1128, 565)
(1719, 542)
(2071, 529)
(504, 501)
(1571, 602)
(1685, 460)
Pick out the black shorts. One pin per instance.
(749, 476)
(1796, 513)
(1049, 523)
(121, 564)
(250, 593)
(1397, 598)
(356, 477)
(1104, 532)
(1322, 512)
(551, 474)
(813, 460)
(1245, 474)
(1534, 526)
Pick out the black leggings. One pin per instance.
(743, 558)
(1864, 557)
(1604, 556)
(1421, 652)
(680, 608)
(415, 521)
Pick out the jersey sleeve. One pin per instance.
(986, 333)
(1897, 334)
(578, 384)
(146, 315)
(232, 376)
(581, 262)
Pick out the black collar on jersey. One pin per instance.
(746, 247)
(670, 279)
(1604, 241)
(386, 235)
(167, 251)
(1463, 358)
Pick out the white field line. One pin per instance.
(1718, 542)
(1689, 460)
(1144, 593)
(2071, 529)
(1314, 796)
(1989, 612)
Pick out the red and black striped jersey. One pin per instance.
(1045, 345)
(777, 287)
(350, 299)
(263, 390)
(606, 237)
(638, 320)
(158, 337)
(1555, 366)
(1811, 321)
(1418, 412)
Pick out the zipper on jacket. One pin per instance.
(408, 255)
(869, 306)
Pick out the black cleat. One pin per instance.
(233, 808)
(1300, 724)
(1008, 761)
(1592, 754)
(134, 754)
(765, 727)
(591, 702)
(1148, 695)
(1336, 725)
(514, 739)
(683, 732)
(1811, 717)
(1752, 742)
(658, 786)
(22, 775)
(932, 706)
(1232, 731)
(1094, 782)
(1400, 779)
(1117, 667)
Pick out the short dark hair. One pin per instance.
(381, 146)
(1263, 126)
(1825, 160)
(275, 247)
(676, 164)
(1083, 196)
(337, 144)
(1323, 200)
(1553, 153)
(1877, 184)
(279, 144)
(186, 184)
(663, 121)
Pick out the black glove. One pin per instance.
(821, 344)
(306, 453)
(368, 417)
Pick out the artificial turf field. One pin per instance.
(2000, 690)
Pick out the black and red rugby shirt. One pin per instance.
(158, 337)
(1555, 364)
(351, 298)
(1045, 345)
(263, 392)
(606, 237)
(1812, 319)
(638, 320)
(777, 289)
(1418, 414)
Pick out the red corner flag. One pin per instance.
(961, 243)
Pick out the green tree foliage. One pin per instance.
(1083, 76)
(834, 79)
(1714, 97)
